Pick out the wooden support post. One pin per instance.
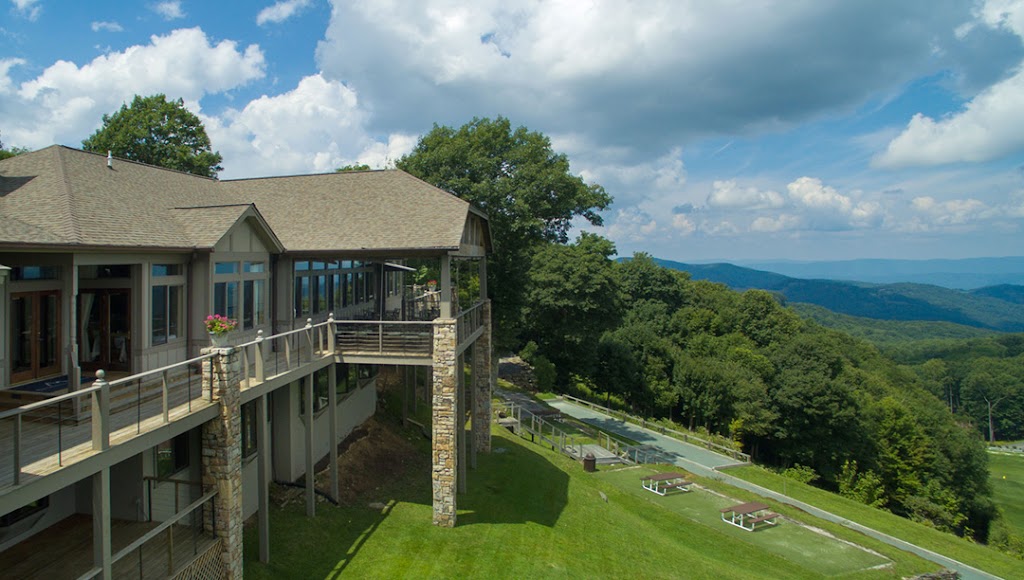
(310, 476)
(460, 419)
(263, 476)
(332, 414)
(101, 544)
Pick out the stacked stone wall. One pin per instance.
(443, 421)
(222, 455)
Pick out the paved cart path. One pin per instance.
(705, 462)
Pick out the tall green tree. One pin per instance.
(159, 132)
(527, 190)
(573, 297)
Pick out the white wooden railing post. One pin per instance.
(101, 413)
(259, 370)
(17, 449)
(309, 337)
(332, 336)
(165, 396)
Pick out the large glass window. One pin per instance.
(172, 456)
(320, 394)
(168, 291)
(239, 292)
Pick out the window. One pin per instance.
(172, 456)
(24, 511)
(34, 273)
(240, 292)
(165, 304)
(254, 304)
(225, 268)
(346, 378)
(250, 428)
(320, 386)
(225, 299)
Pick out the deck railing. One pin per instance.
(469, 321)
(169, 547)
(383, 337)
(48, 435)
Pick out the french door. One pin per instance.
(35, 335)
(104, 329)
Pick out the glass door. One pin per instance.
(35, 335)
(104, 329)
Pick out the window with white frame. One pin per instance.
(240, 292)
(167, 294)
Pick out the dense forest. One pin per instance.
(789, 391)
(742, 366)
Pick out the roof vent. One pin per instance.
(110, 159)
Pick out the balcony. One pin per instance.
(44, 437)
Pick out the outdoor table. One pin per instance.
(662, 483)
(748, 515)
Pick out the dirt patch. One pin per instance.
(375, 453)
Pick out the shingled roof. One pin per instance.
(61, 196)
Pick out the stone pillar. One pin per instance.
(222, 455)
(482, 384)
(444, 401)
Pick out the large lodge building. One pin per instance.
(129, 446)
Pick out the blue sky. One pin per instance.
(728, 130)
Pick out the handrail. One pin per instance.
(163, 526)
(39, 404)
(478, 304)
(138, 376)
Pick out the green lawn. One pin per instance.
(807, 548)
(1006, 473)
(533, 513)
(979, 556)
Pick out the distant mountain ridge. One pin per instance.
(994, 308)
(965, 274)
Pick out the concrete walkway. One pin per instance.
(705, 462)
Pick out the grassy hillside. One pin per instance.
(530, 513)
(963, 550)
(887, 332)
(1008, 487)
(984, 308)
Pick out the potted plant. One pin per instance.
(219, 326)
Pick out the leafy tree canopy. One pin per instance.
(156, 131)
(352, 167)
(5, 152)
(526, 189)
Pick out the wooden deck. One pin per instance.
(54, 441)
(64, 551)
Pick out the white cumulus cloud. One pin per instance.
(170, 10)
(65, 102)
(280, 11)
(783, 222)
(108, 26)
(990, 125)
(318, 126)
(727, 194)
(29, 9)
